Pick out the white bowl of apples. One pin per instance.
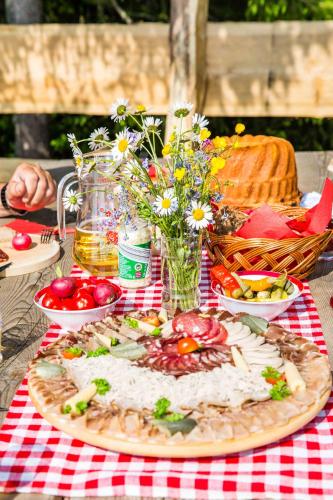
(73, 302)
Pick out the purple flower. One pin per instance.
(145, 163)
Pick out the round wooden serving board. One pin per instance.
(36, 258)
(183, 449)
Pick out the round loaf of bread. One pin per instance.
(262, 169)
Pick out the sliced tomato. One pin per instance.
(152, 320)
(187, 345)
(51, 301)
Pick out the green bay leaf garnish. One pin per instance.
(49, 370)
(257, 325)
(128, 350)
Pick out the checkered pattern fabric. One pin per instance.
(37, 458)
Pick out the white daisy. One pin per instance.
(199, 122)
(72, 200)
(123, 145)
(199, 215)
(119, 109)
(151, 124)
(73, 144)
(166, 204)
(181, 109)
(98, 137)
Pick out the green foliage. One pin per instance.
(304, 133)
(272, 10)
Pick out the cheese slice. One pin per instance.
(85, 394)
(238, 359)
(142, 325)
(293, 377)
(103, 339)
(163, 315)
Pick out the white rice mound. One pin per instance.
(139, 388)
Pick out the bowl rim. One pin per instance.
(298, 284)
(38, 295)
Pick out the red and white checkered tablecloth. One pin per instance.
(37, 458)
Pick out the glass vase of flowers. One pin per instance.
(172, 184)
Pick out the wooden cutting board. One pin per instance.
(36, 258)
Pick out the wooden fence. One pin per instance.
(252, 69)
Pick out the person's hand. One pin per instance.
(30, 188)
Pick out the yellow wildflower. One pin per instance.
(141, 108)
(172, 137)
(166, 150)
(217, 163)
(219, 142)
(179, 173)
(204, 134)
(240, 127)
(235, 144)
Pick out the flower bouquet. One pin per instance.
(172, 185)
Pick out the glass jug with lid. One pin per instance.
(100, 203)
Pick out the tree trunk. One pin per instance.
(31, 131)
(188, 27)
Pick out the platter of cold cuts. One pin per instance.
(205, 383)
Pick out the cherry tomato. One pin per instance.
(84, 301)
(152, 320)
(274, 381)
(51, 301)
(68, 305)
(99, 281)
(84, 289)
(82, 282)
(187, 345)
(71, 355)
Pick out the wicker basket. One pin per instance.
(296, 255)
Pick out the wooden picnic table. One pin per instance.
(24, 325)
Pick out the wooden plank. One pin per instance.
(82, 68)
(187, 55)
(253, 69)
(24, 324)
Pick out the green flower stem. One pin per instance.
(181, 259)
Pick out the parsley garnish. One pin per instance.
(74, 350)
(161, 412)
(131, 322)
(102, 386)
(67, 409)
(279, 391)
(270, 372)
(81, 407)
(114, 341)
(155, 332)
(101, 351)
(161, 407)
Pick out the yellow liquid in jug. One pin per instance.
(94, 252)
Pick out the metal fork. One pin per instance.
(46, 235)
